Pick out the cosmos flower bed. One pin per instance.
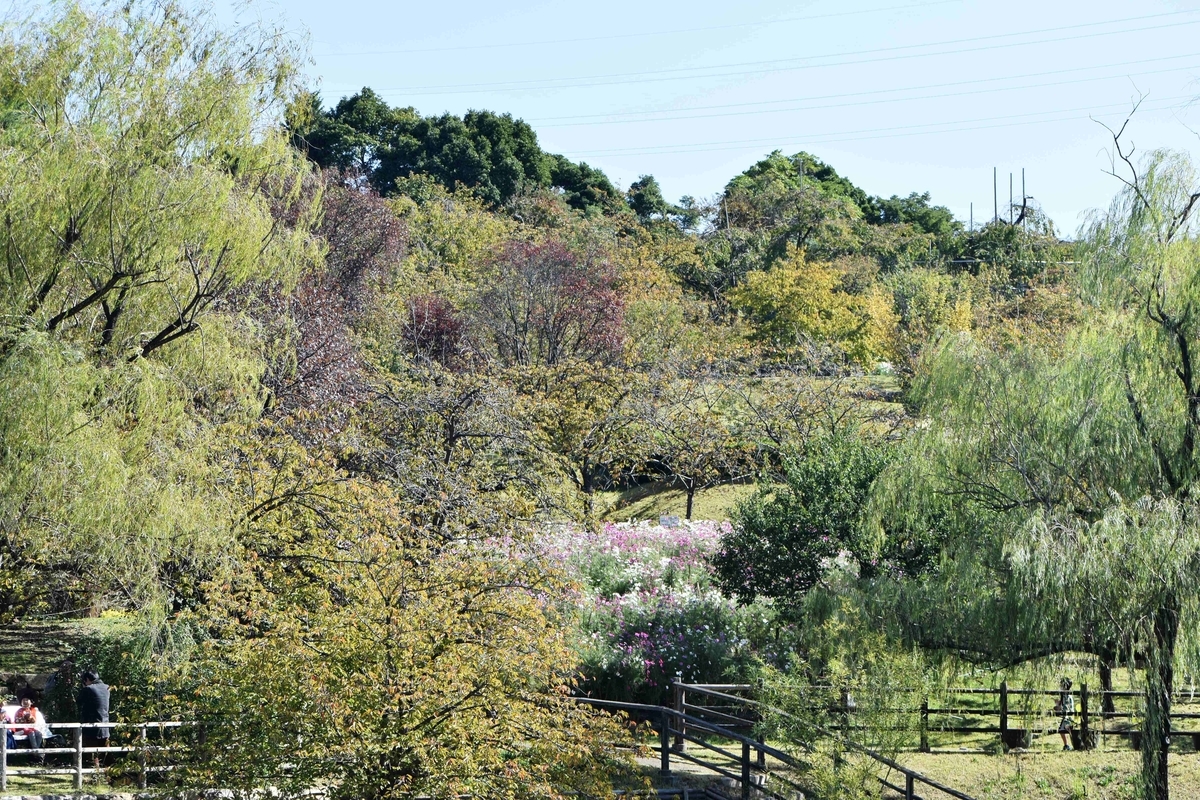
(649, 610)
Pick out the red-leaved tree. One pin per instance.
(365, 239)
(433, 330)
(549, 305)
(313, 364)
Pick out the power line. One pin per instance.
(906, 130)
(669, 148)
(636, 35)
(662, 75)
(868, 102)
(871, 92)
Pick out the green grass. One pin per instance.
(33, 647)
(1097, 775)
(651, 501)
(48, 784)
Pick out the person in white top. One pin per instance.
(7, 712)
(35, 731)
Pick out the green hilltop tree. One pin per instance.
(646, 199)
(778, 173)
(494, 155)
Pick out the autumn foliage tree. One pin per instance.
(437, 653)
(801, 306)
(434, 330)
(548, 305)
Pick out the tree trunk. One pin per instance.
(691, 495)
(588, 486)
(1106, 684)
(1160, 681)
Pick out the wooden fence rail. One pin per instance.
(78, 751)
(1089, 712)
(676, 727)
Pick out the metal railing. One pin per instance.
(142, 748)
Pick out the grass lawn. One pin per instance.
(34, 647)
(38, 646)
(1050, 776)
(653, 500)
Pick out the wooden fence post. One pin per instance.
(680, 700)
(909, 794)
(925, 725)
(1004, 713)
(1085, 741)
(78, 758)
(745, 770)
(664, 743)
(142, 760)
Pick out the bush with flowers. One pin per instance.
(650, 610)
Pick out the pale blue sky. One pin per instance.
(899, 96)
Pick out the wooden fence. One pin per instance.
(676, 727)
(74, 732)
(1002, 717)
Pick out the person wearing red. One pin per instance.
(35, 729)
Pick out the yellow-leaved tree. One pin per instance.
(351, 646)
(800, 305)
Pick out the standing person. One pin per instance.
(1065, 707)
(93, 707)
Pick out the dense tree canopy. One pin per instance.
(494, 155)
(140, 192)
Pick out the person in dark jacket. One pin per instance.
(93, 707)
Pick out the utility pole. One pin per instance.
(1024, 201)
(1010, 200)
(995, 198)
(972, 218)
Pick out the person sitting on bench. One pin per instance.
(34, 735)
(7, 712)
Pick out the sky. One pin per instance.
(897, 95)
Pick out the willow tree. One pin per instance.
(142, 180)
(1071, 469)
